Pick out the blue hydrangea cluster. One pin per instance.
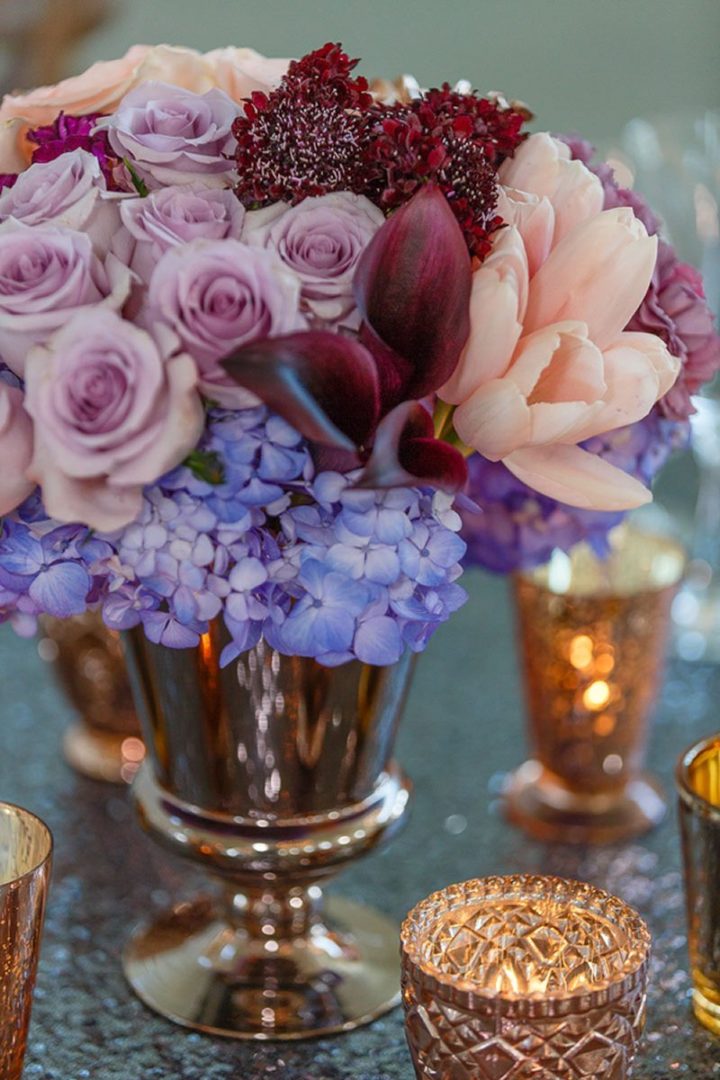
(508, 526)
(308, 562)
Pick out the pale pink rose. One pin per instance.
(112, 413)
(241, 71)
(16, 449)
(548, 363)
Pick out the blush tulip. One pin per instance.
(548, 363)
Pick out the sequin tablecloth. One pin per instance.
(462, 728)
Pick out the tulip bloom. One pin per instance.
(548, 363)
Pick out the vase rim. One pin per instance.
(686, 789)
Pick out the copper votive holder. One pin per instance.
(592, 635)
(104, 742)
(25, 857)
(698, 783)
(523, 976)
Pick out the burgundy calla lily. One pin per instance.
(324, 384)
(412, 287)
(406, 453)
(413, 290)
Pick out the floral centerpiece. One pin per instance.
(268, 335)
(255, 320)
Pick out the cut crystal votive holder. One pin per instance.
(523, 976)
(25, 857)
(698, 782)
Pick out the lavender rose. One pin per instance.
(46, 275)
(219, 295)
(173, 216)
(69, 191)
(111, 415)
(321, 240)
(173, 136)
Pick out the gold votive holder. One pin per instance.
(524, 976)
(592, 637)
(104, 742)
(698, 783)
(25, 857)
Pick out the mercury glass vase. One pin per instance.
(271, 774)
(592, 637)
(87, 658)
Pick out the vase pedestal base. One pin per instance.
(204, 970)
(552, 813)
(102, 755)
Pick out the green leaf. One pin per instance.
(138, 183)
(206, 465)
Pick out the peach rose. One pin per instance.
(99, 89)
(240, 71)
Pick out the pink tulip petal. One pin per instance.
(667, 367)
(578, 197)
(577, 478)
(561, 421)
(412, 285)
(494, 420)
(534, 218)
(598, 274)
(494, 332)
(636, 368)
(575, 372)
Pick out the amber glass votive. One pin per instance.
(524, 977)
(698, 781)
(104, 742)
(25, 855)
(592, 635)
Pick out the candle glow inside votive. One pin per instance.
(537, 971)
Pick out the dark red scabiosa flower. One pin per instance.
(456, 140)
(307, 137)
(7, 180)
(68, 133)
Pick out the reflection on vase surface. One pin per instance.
(592, 640)
(272, 773)
(104, 742)
(524, 976)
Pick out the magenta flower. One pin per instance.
(68, 133)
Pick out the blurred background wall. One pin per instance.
(579, 63)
